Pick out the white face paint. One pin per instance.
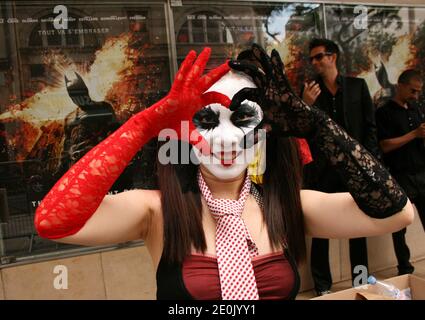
(224, 129)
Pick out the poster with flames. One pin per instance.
(63, 90)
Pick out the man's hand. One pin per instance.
(311, 92)
(420, 131)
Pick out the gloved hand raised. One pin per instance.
(184, 98)
(283, 109)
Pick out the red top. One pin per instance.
(273, 273)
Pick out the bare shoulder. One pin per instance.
(313, 201)
(310, 197)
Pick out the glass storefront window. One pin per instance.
(126, 53)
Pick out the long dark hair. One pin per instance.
(182, 207)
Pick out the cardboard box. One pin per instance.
(416, 285)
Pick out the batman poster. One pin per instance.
(70, 75)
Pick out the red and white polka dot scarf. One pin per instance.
(234, 245)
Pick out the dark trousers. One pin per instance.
(320, 267)
(401, 249)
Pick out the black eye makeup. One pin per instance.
(206, 119)
(245, 115)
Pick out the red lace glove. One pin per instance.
(77, 195)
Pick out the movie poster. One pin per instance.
(71, 75)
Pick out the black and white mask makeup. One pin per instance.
(224, 129)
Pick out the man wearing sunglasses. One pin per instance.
(347, 101)
(401, 134)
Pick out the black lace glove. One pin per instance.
(370, 184)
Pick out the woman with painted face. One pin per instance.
(211, 231)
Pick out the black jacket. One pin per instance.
(358, 114)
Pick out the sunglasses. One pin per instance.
(320, 56)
